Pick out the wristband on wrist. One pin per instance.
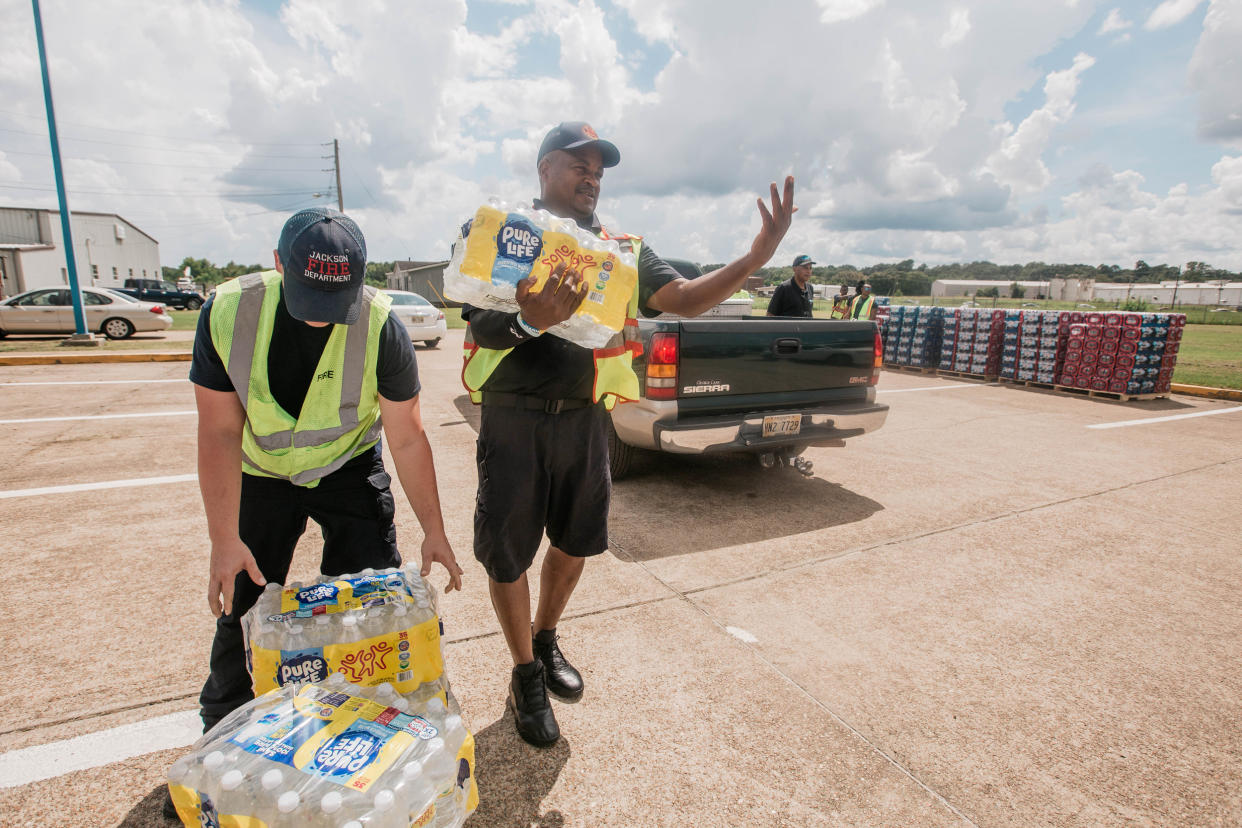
(526, 326)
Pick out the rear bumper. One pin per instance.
(655, 426)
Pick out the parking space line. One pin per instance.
(97, 382)
(91, 750)
(928, 388)
(1171, 417)
(105, 484)
(99, 417)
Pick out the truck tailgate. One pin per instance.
(794, 359)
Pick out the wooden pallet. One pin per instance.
(1081, 392)
(945, 372)
(913, 369)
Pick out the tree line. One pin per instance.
(904, 278)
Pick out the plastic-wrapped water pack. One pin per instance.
(375, 627)
(330, 753)
(502, 245)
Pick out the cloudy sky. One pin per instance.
(1051, 130)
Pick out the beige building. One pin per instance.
(424, 278)
(107, 250)
(969, 287)
(1228, 294)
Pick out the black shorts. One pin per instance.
(540, 472)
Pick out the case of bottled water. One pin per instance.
(330, 753)
(502, 245)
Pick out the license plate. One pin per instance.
(782, 425)
(417, 319)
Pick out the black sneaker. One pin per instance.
(528, 699)
(562, 679)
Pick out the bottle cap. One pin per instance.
(178, 771)
(288, 801)
(331, 802)
(353, 823)
(412, 770)
(349, 621)
(384, 800)
(437, 706)
(231, 779)
(272, 779)
(213, 761)
(369, 571)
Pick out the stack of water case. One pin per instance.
(978, 338)
(912, 336)
(1122, 353)
(1030, 349)
(353, 724)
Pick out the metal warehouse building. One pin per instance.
(1188, 293)
(107, 250)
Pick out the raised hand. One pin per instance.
(561, 295)
(775, 223)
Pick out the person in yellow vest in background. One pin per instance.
(841, 303)
(294, 371)
(862, 306)
(543, 435)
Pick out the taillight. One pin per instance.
(662, 367)
(879, 357)
(157, 309)
(439, 316)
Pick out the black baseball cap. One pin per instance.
(324, 257)
(802, 260)
(569, 135)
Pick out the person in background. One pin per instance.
(795, 297)
(841, 303)
(862, 306)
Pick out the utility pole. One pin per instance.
(71, 268)
(336, 162)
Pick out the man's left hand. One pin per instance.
(438, 550)
(775, 223)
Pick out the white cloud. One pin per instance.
(1018, 161)
(1170, 13)
(959, 27)
(1115, 22)
(1214, 72)
(837, 11)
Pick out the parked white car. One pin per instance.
(423, 321)
(50, 311)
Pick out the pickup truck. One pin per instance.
(768, 386)
(156, 290)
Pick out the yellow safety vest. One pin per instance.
(615, 380)
(340, 416)
(840, 307)
(860, 307)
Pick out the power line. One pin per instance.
(146, 148)
(174, 166)
(146, 134)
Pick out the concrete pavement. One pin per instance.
(986, 613)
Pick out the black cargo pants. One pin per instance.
(354, 509)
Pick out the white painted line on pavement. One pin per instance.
(33, 764)
(105, 484)
(99, 417)
(743, 635)
(96, 382)
(1171, 417)
(927, 388)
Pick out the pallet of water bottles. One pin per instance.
(1114, 354)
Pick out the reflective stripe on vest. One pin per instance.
(614, 381)
(840, 307)
(340, 415)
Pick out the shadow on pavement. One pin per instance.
(514, 778)
(148, 813)
(675, 504)
(470, 412)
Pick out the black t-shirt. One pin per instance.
(791, 300)
(548, 366)
(293, 356)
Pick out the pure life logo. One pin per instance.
(518, 244)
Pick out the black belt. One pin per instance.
(533, 403)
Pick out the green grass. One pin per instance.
(51, 345)
(184, 320)
(1195, 314)
(1210, 355)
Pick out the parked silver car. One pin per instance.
(423, 321)
(50, 311)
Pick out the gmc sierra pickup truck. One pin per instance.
(764, 385)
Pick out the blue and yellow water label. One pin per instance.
(405, 659)
(348, 740)
(345, 594)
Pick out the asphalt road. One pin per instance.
(991, 612)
